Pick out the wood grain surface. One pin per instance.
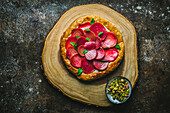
(88, 92)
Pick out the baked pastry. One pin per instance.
(91, 47)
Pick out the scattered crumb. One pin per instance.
(40, 80)
(30, 89)
(139, 7)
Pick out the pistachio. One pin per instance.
(118, 89)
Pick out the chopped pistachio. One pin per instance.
(118, 89)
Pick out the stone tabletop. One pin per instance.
(24, 24)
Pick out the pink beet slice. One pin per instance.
(81, 41)
(100, 65)
(97, 28)
(100, 54)
(77, 32)
(110, 40)
(89, 45)
(76, 60)
(91, 54)
(85, 25)
(98, 42)
(110, 54)
(90, 35)
(87, 66)
(70, 39)
(81, 49)
(70, 51)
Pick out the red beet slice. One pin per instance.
(89, 45)
(76, 60)
(110, 54)
(81, 49)
(81, 41)
(97, 28)
(91, 54)
(70, 39)
(98, 42)
(110, 40)
(70, 51)
(85, 25)
(100, 54)
(87, 66)
(90, 35)
(100, 65)
(77, 32)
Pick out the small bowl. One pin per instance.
(116, 101)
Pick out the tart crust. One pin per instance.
(112, 65)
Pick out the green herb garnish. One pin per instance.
(100, 33)
(106, 48)
(80, 70)
(75, 47)
(85, 51)
(103, 60)
(88, 39)
(92, 21)
(118, 47)
(77, 36)
(87, 29)
(72, 43)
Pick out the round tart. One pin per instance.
(91, 47)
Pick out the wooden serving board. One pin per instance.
(88, 92)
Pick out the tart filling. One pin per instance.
(91, 49)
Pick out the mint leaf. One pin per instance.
(72, 43)
(88, 39)
(85, 51)
(106, 48)
(77, 36)
(118, 47)
(75, 47)
(80, 70)
(100, 33)
(92, 21)
(87, 29)
(103, 60)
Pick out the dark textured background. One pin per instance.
(24, 25)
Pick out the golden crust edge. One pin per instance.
(111, 66)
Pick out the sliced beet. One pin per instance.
(97, 28)
(100, 65)
(110, 40)
(98, 42)
(89, 45)
(81, 49)
(70, 39)
(70, 51)
(110, 54)
(77, 32)
(87, 66)
(81, 41)
(100, 54)
(76, 60)
(84, 25)
(91, 54)
(90, 35)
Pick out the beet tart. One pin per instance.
(91, 47)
